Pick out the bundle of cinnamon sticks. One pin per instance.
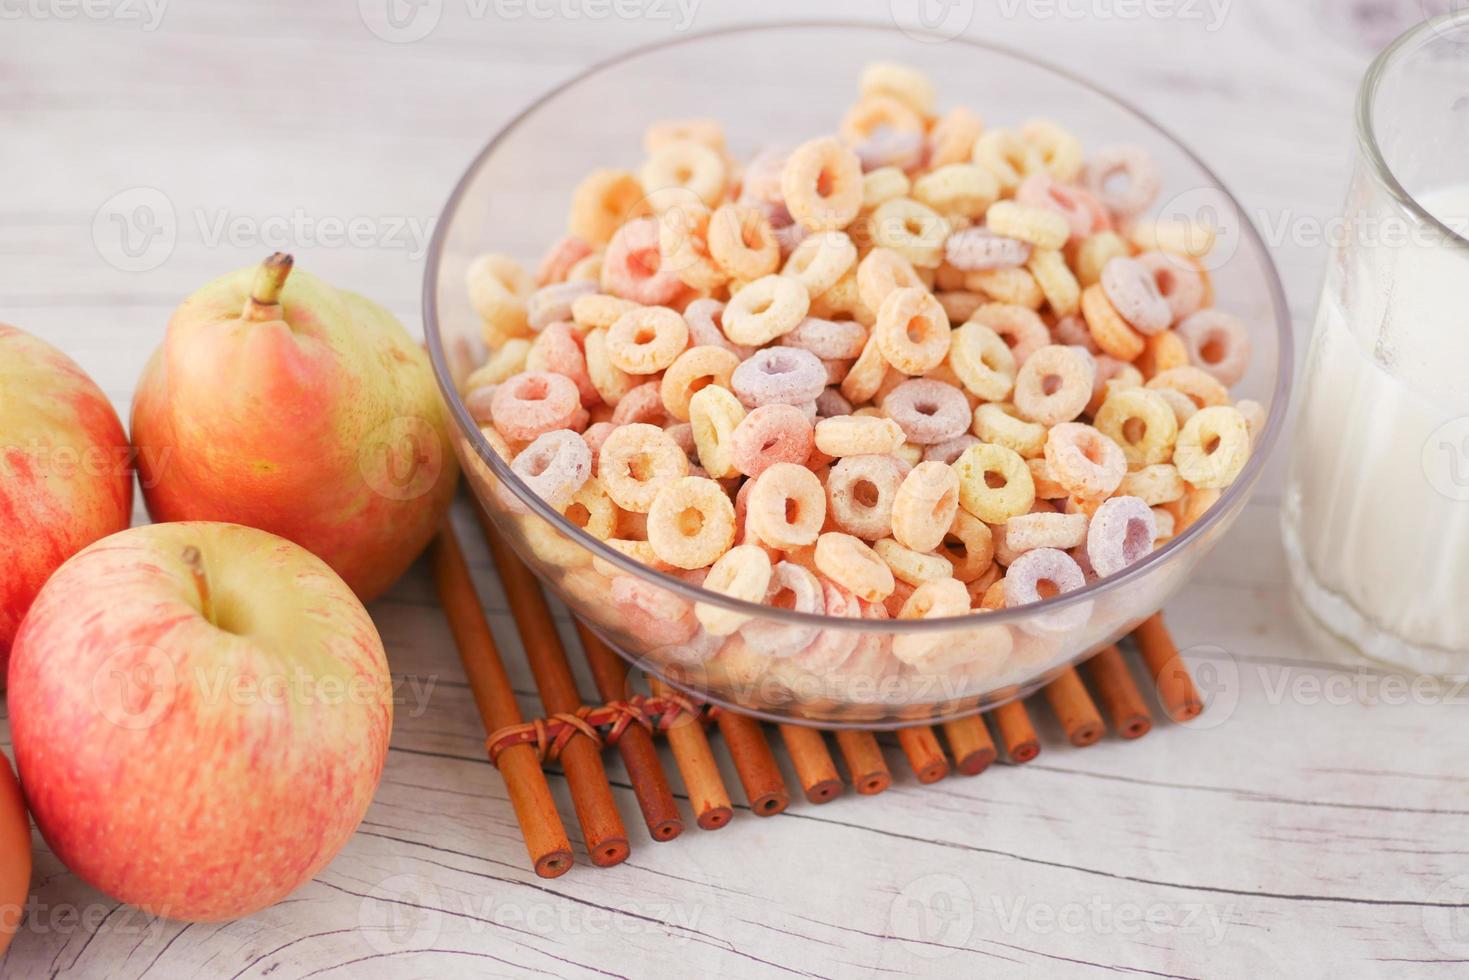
(567, 735)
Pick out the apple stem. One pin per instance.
(265, 291)
(195, 561)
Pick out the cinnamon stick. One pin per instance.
(635, 745)
(1120, 698)
(581, 758)
(865, 764)
(1016, 731)
(696, 765)
(814, 766)
(1176, 691)
(924, 753)
(1074, 708)
(535, 810)
(755, 763)
(970, 743)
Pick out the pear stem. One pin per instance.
(195, 561)
(265, 291)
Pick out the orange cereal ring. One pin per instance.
(1107, 327)
(787, 506)
(601, 203)
(877, 112)
(924, 507)
(691, 522)
(1054, 384)
(1163, 351)
(880, 272)
(854, 566)
(952, 138)
(742, 242)
(692, 371)
(1021, 328)
(912, 331)
(822, 185)
(1202, 388)
(646, 340)
(683, 247)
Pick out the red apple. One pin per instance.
(65, 472)
(283, 403)
(15, 855)
(200, 715)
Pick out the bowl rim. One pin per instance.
(1233, 496)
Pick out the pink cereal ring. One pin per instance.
(779, 375)
(595, 435)
(828, 339)
(1079, 208)
(631, 266)
(1134, 168)
(832, 647)
(1122, 531)
(554, 466)
(1083, 460)
(1178, 280)
(928, 411)
(643, 404)
(534, 402)
(770, 434)
(791, 587)
(706, 329)
(1218, 343)
(558, 261)
(562, 353)
(1133, 291)
(975, 249)
(552, 304)
(651, 612)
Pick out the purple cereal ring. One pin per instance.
(1131, 288)
(1178, 280)
(554, 466)
(533, 402)
(771, 434)
(829, 340)
(1140, 180)
(1122, 532)
(928, 411)
(889, 147)
(631, 267)
(643, 404)
(974, 249)
(706, 327)
(779, 376)
(831, 403)
(950, 449)
(1218, 343)
(551, 304)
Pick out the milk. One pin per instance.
(1377, 506)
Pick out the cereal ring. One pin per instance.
(949, 450)
(592, 510)
(982, 361)
(1001, 423)
(994, 483)
(1040, 574)
(636, 460)
(1046, 487)
(554, 466)
(683, 246)
(889, 147)
(830, 404)
(743, 572)
(691, 372)
(765, 309)
(832, 647)
(851, 564)
(1053, 275)
(1054, 384)
(821, 260)
(706, 131)
(952, 138)
(963, 189)
(600, 310)
(908, 85)
(1165, 524)
(928, 411)
(1059, 151)
(534, 402)
(1141, 423)
(508, 360)
(1026, 532)
(631, 265)
(742, 242)
(559, 260)
(960, 304)
(914, 231)
(821, 185)
(1218, 343)
(976, 249)
(883, 184)
(1212, 447)
(644, 403)
(1083, 460)
(1202, 388)
(1021, 329)
(685, 164)
(646, 340)
(876, 112)
(1133, 293)
(1008, 157)
(968, 546)
(779, 375)
(860, 491)
(1071, 331)
(1155, 484)
(911, 567)
(1161, 352)
(1108, 329)
(866, 374)
(880, 272)
(691, 522)
(1140, 178)
(1041, 227)
(770, 434)
(912, 331)
(787, 506)
(854, 435)
(828, 339)
(924, 506)
(1185, 237)
(601, 203)
(1179, 282)
(1121, 533)
(1254, 415)
(797, 589)
(1093, 254)
(498, 288)
(557, 349)
(551, 304)
(705, 321)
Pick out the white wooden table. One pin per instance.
(1310, 824)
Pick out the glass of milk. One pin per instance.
(1376, 516)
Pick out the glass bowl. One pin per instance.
(782, 85)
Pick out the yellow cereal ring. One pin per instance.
(635, 461)
(851, 564)
(1011, 286)
(1156, 484)
(883, 184)
(691, 522)
(687, 165)
(1093, 254)
(821, 260)
(714, 414)
(913, 230)
(1053, 275)
(742, 572)
(856, 435)
(965, 189)
(1202, 388)
(498, 290)
(1002, 424)
(1107, 327)
(1141, 422)
(599, 310)
(611, 382)
(1008, 157)
(1212, 447)
(969, 546)
(765, 309)
(866, 374)
(822, 185)
(982, 361)
(1059, 151)
(911, 566)
(509, 360)
(879, 111)
(994, 483)
(593, 510)
(908, 85)
(1042, 227)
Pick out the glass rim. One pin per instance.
(1387, 59)
(1232, 496)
